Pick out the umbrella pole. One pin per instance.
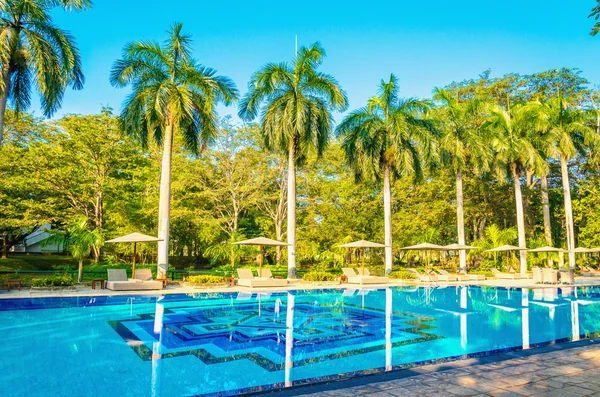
(133, 261)
(363, 262)
(260, 260)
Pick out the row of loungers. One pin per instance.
(117, 280)
(443, 275)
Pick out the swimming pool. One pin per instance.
(230, 343)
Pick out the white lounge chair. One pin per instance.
(426, 277)
(472, 277)
(354, 278)
(117, 280)
(444, 275)
(550, 276)
(538, 277)
(505, 276)
(567, 277)
(247, 279)
(589, 272)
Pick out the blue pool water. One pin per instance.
(225, 344)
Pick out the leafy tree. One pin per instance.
(568, 126)
(463, 146)
(596, 14)
(297, 116)
(35, 51)
(516, 153)
(78, 240)
(171, 93)
(388, 136)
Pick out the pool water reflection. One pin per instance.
(225, 344)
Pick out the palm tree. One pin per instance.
(78, 241)
(568, 127)
(516, 152)
(35, 51)
(296, 117)
(390, 136)
(171, 93)
(463, 145)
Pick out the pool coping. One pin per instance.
(417, 370)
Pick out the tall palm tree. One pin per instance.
(568, 127)
(296, 116)
(516, 153)
(390, 136)
(171, 93)
(463, 146)
(33, 50)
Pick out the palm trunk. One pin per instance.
(291, 225)
(520, 218)
(4, 245)
(3, 100)
(568, 210)
(387, 213)
(546, 210)
(460, 220)
(164, 206)
(80, 273)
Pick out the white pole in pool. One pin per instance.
(525, 317)
(575, 320)
(388, 329)
(463, 317)
(156, 350)
(289, 340)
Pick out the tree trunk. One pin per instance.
(547, 220)
(4, 245)
(165, 204)
(3, 100)
(99, 220)
(568, 210)
(460, 220)
(291, 225)
(520, 218)
(80, 273)
(387, 213)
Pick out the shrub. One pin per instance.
(486, 273)
(402, 275)
(319, 276)
(53, 281)
(205, 279)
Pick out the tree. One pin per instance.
(572, 135)
(35, 51)
(516, 152)
(390, 136)
(78, 240)
(463, 146)
(171, 93)
(596, 14)
(296, 117)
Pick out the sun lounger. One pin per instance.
(354, 278)
(117, 280)
(567, 277)
(472, 277)
(505, 276)
(424, 277)
(247, 279)
(589, 272)
(443, 275)
(550, 276)
(538, 277)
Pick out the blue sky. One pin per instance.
(425, 43)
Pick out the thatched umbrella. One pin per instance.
(134, 238)
(261, 241)
(507, 248)
(424, 247)
(362, 244)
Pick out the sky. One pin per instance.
(425, 43)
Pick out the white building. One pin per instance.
(33, 242)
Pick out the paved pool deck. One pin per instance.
(176, 288)
(562, 370)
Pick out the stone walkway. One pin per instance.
(562, 373)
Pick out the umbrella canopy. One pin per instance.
(261, 241)
(459, 247)
(583, 250)
(134, 238)
(507, 248)
(548, 249)
(424, 247)
(362, 244)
